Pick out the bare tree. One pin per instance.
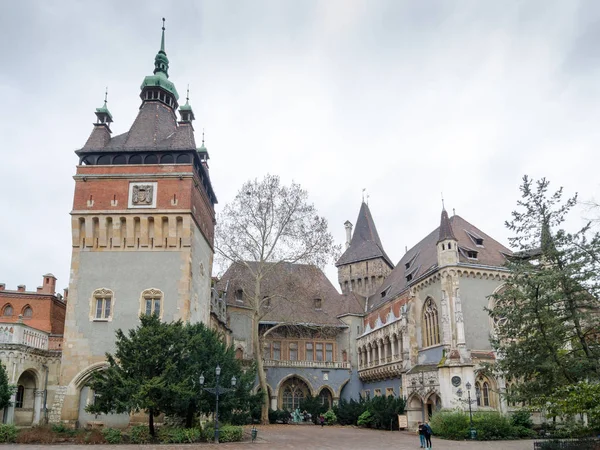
(266, 225)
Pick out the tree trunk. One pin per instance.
(262, 377)
(151, 422)
(189, 417)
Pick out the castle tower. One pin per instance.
(142, 231)
(447, 244)
(364, 264)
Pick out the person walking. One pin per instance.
(421, 431)
(322, 420)
(428, 432)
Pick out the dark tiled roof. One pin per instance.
(445, 228)
(365, 243)
(155, 127)
(293, 289)
(423, 258)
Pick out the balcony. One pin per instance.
(307, 364)
(21, 334)
(375, 370)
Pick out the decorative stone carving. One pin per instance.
(142, 194)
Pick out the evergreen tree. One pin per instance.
(156, 369)
(6, 390)
(547, 315)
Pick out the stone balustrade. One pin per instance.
(19, 333)
(308, 364)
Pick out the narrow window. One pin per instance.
(277, 350)
(267, 350)
(8, 310)
(329, 352)
(377, 392)
(309, 351)
(430, 325)
(486, 394)
(319, 351)
(239, 296)
(317, 303)
(293, 351)
(152, 302)
(28, 312)
(102, 304)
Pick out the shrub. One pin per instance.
(313, 406)
(330, 418)
(365, 419)
(450, 424)
(492, 426)
(112, 435)
(279, 416)
(521, 418)
(139, 434)
(348, 412)
(172, 435)
(385, 411)
(241, 418)
(8, 433)
(230, 433)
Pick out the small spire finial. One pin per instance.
(363, 194)
(453, 211)
(187, 95)
(105, 96)
(202, 137)
(162, 40)
(443, 207)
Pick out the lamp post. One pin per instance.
(217, 391)
(459, 392)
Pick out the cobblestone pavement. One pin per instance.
(315, 438)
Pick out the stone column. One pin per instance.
(368, 356)
(385, 352)
(458, 317)
(379, 352)
(37, 406)
(393, 347)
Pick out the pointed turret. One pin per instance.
(101, 133)
(447, 244)
(185, 111)
(364, 264)
(157, 87)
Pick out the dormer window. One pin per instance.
(477, 240)
(239, 296)
(407, 265)
(267, 301)
(409, 277)
(318, 304)
(471, 254)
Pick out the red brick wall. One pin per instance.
(384, 310)
(48, 312)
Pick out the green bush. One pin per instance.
(313, 406)
(278, 415)
(521, 418)
(139, 434)
(112, 435)
(241, 418)
(348, 412)
(61, 428)
(8, 433)
(365, 419)
(330, 418)
(230, 433)
(450, 425)
(174, 435)
(492, 426)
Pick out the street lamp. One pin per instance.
(459, 392)
(217, 391)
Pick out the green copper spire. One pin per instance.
(160, 79)
(186, 112)
(161, 62)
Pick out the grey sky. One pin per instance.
(406, 99)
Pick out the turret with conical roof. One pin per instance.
(364, 264)
(447, 244)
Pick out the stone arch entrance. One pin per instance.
(292, 392)
(432, 404)
(28, 399)
(326, 397)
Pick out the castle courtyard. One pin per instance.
(315, 438)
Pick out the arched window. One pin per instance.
(151, 302)
(430, 327)
(294, 392)
(483, 391)
(325, 398)
(27, 312)
(101, 307)
(8, 310)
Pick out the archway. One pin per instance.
(292, 392)
(432, 405)
(27, 400)
(326, 397)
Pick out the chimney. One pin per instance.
(40, 289)
(2, 286)
(21, 288)
(66, 294)
(348, 226)
(49, 284)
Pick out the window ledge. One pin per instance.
(101, 320)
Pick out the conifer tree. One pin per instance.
(6, 390)
(547, 315)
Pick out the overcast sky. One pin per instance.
(405, 99)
